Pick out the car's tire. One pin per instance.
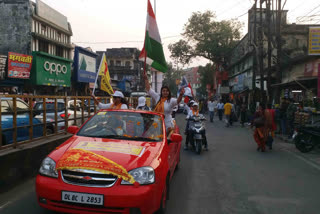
(198, 146)
(304, 143)
(4, 141)
(49, 131)
(164, 198)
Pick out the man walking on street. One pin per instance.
(212, 104)
(227, 112)
(220, 108)
(291, 110)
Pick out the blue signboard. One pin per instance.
(84, 65)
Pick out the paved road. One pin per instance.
(232, 177)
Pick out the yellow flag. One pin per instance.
(105, 76)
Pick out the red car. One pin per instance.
(119, 161)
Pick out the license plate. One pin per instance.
(82, 198)
(198, 136)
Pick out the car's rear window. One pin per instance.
(49, 106)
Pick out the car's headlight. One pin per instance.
(143, 175)
(48, 168)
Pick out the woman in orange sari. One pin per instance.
(263, 123)
(165, 103)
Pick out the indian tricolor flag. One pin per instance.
(152, 50)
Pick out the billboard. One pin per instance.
(19, 65)
(314, 41)
(85, 65)
(50, 70)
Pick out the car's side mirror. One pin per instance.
(73, 129)
(175, 137)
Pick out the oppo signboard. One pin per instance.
(50, 70)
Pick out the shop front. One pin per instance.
(50, 75)
(14, 70)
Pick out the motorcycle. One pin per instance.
(306, 138)
(196, 131)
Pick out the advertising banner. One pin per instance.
(85, 65)
(314, 41)
(50, 70)
(19, 65)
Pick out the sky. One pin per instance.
(102, 24)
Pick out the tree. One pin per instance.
(206, 37)
(206, 77)
(170, 78)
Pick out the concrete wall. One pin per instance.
(17, 165)
(15, 26)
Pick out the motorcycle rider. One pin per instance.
(194, 111)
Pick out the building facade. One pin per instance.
(33, 28)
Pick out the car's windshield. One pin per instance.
(124, 125)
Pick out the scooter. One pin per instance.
(197, 131)
(306, 138)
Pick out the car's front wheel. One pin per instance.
(164, 198)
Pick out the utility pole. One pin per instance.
(279, 72)
(261, 66)
(269, 51)
(254, 70)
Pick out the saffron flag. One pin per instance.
(105, 76)
(152, 50)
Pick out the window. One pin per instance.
(118, 63)
(22, 106)
(127, 64)
(59, 36)
(43, 29)
(59, 51)
(43, 46)
(5, 107)
(111, 63)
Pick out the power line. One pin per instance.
(117, 42)
(309, 12)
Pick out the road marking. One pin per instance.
(303, 159)
(6, 204)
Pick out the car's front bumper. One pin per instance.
(117, 199)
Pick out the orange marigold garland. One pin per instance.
(83, 159)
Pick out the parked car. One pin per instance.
(181, 107)
(22, 120)
(119, 161)
(50, 114)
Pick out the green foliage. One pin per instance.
(206, 77)
(206, 37)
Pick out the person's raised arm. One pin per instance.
(95, 99)
(180, 96)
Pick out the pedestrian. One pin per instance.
(283, 116)
(262, 121)
(164, 103)
(212, 104)
(142, 104)
(119, 101)
(227, 112)
(291, 110)
(220, 107)
(243, 114)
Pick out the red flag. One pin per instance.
(189, 85)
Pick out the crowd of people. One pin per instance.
(266, 120)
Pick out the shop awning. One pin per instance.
(295, 81)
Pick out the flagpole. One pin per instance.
(95, 82)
